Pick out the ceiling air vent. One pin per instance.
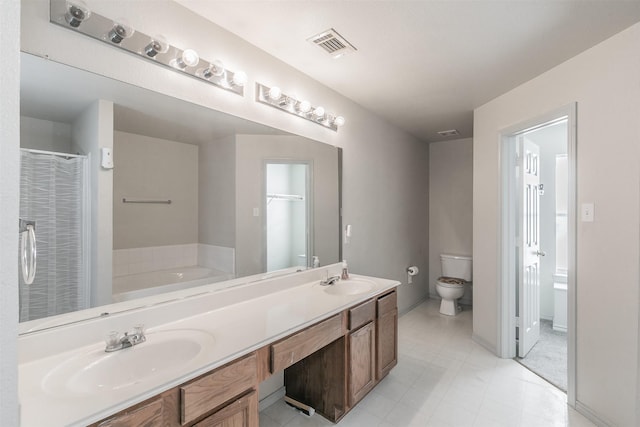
(332, 43)
(450, 132)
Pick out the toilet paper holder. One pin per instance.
(412, 271)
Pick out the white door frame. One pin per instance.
(506, 239)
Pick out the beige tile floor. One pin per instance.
(445, 379)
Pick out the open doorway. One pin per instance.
(538, 247)
(543, 224)
(287, 215)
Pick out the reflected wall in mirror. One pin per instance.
(184, 204)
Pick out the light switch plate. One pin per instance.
(587, 212)
(107, 158)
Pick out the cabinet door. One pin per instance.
(242, 412)
(362, 374)
(387, 342)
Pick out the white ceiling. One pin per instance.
(424, 65)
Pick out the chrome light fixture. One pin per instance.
(215, 69)
(274, 97)
(157, 45)
(121, 30)
(77, 11)
(74, 15)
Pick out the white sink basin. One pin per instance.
(96, 371)
(350, 287)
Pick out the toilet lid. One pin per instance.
(451, 281)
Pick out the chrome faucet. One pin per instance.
(116, 342)
(330, 281)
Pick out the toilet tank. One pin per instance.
(456, 266)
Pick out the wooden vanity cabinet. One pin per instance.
(148, 413)
(200, 396)
(316, 378)
(362, 367)
(361, 351)
(224, 397)
(296, 347)
(243, 412)
(329, 366)
(386, 334)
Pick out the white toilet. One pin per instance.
(456, 271)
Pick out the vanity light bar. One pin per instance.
(74, 15)
(274, 97)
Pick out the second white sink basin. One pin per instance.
(350, 287)
(97, 371)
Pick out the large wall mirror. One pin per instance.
(134, 196)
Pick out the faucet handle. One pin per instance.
(138, 330)
(112, 339)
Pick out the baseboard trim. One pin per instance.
(411, 307)
(271, 399)
(588, 413)
(481, 341)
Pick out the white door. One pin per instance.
(529, 248)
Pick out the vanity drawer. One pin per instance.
(362, 314)
(150, 413)
(387, 303)
(298, 346)
(206, 393)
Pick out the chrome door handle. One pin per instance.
(541, 253)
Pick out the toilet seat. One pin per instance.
(450, 282)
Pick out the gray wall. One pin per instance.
(9, 179)
(450, 205)
(217, 193)
(153, 168)
(45, 135)
(89, 133)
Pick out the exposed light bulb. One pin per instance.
(339, 121)
(319, 112)
(77, 11)
(190, 58)
(304, 106)
(239, 78)
(157, 45)
(121, 30)
(217, 68)
(274, 93)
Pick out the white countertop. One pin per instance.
(239, 320)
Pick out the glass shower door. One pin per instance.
(53, 199)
